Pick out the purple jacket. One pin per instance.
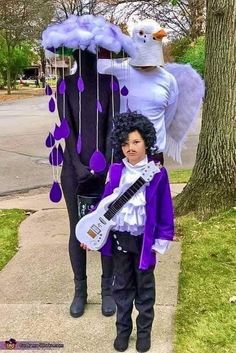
(159, 213)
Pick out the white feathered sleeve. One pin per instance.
(181, 115)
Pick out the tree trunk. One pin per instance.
(8, 79)
(9, 52)
(43, 60)
(212, 188)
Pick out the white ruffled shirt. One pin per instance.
(132, 217)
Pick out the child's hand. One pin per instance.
(84, 246)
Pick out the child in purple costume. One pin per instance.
(144, 227)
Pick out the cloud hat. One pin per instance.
(87, 32)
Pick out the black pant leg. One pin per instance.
(144, 300)
(123, 291)
(77, 254)
(107, 266)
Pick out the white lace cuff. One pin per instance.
(161, 245)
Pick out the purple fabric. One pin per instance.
(62, 87)
(97, 162)
(50, 141)
(56, 156)
(159, 213)
(48, 90)
(79, 144)
(99, 107)
(57, 132)
(55, 192)
(114, 86)
(51, 105)
(80, 84)
(124, 91)
(65, 129)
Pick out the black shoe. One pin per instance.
(77, 306)
(80, 299)
(108, 303)
(121, 343)
(143, 344)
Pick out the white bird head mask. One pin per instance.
(147, 36)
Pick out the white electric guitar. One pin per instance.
(93, 229)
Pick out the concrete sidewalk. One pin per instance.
(36, 286)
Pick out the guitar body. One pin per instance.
(93, 229)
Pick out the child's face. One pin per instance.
(134, 147)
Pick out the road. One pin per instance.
(24, 125)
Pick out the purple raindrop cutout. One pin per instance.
(99, 107)
(48, 90)
(124, 91)
(97, 162)
(62, 87)
(55, 157)
(65, 129)
(114, 86)
(79, 144)
(51, 105)
(60, 153)
(55, 192)
(57, 132)
(50, 141)
(80, 84)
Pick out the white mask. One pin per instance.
(147, 36)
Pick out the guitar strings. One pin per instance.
(117, 204)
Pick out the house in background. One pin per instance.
(54, 68)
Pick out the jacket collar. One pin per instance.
(116, 175)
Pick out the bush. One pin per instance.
(179, 47)
(193, 53)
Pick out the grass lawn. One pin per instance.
(177, 176)
(205, 319)
(9, 224)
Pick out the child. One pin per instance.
(143, 226)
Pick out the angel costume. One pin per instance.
(153, 93)
(169, 95)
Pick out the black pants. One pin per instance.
(132, 285)
(77, 254)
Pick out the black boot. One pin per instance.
(108, 303)
(121, 343)
(80, 298)
(143, 344)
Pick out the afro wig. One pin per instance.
(124, 124)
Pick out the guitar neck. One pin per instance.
(121, 200)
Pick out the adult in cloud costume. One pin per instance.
(86, 103)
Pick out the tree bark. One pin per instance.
(212, 188)
(8, 69)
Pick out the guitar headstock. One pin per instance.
(150, 170)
